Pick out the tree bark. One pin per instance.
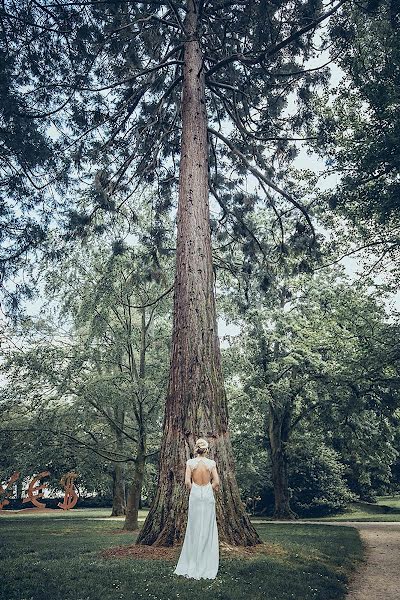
(196, 403)
(279, 430)
(20, 489)
(119, 502)
(118, 505)
(135, 491)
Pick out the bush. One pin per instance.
(316, 478)
(317, 481)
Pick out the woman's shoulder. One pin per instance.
(192, 461)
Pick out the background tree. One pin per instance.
(360, 144)
(106, 356)
(323, 364)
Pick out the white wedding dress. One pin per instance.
(199, 558)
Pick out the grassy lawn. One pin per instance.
(56, 556)
(391, 501)
(76, 513)
(387, 508)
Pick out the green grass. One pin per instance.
(76, 513)
(392, 501)
(45, 557)
(387, 508)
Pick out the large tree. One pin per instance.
(327, 357)
(137, 90)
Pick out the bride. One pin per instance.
(199, 556)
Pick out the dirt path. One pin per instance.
(379, 576)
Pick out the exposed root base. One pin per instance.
(172, 553)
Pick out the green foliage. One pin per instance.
(327, 358)
(84, 384)
(26, 155)
(317, 477)
(360, 127)
(316, 474)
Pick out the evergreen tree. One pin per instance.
(140, 89)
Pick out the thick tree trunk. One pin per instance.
(279, 429)
(196, 402)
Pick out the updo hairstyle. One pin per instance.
(201, 446)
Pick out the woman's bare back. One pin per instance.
(201, 473)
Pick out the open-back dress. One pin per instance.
(199, 558)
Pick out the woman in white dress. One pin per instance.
(199, 558)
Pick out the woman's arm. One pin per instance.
(188, 477)
(215, 479)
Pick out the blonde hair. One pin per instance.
(201, 446)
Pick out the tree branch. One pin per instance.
(248, 60)
(260, 176)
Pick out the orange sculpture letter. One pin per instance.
(12, 480)
(32, 497)
(70, 496)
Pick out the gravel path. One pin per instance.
(379, 576)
